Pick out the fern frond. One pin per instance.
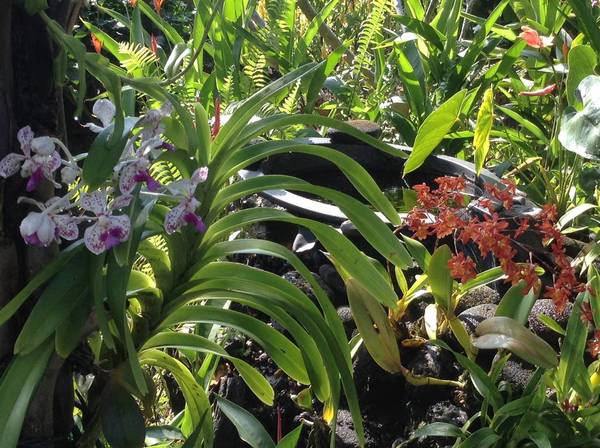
(136, 57)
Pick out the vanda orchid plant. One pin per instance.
(151, 199)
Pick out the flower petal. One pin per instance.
(120, 202)
(105, 110)
(122, 224)
(127, 178)
(94, 127)
(36, 177)
(174, 219)
(10, 164)
(43, 146)
(66, 227)
(49, 163)
(94, 202)
(195, 220)
(25, 135)
(92, 239)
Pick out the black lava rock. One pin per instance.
(546, 306)
(472, 317)
(481, 296)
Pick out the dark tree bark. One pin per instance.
(29, 95)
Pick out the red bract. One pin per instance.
(462, 267)
(154, 44)
(97, 43)
(540, 92)
(158, 5)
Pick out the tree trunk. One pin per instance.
(29, 95)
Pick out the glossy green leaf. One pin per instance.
(55, 304)
(440, 279)
(56, 265)
(70, 331)
(504, 332)
(438, 429)
(339, 246)
(516, 304)
(197, 404)
(255, 381)
(483, 127)
(571, 371)
(17, 386)
(582, 63)
(284, 353)
(579, 132)
(482, 438)
(372, 323)
(122, 420)
(249, 428)
(291, 439)
(433, 130)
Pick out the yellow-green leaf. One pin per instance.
(483, 128)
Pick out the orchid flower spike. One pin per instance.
(109, 230)
(47, 226)
(105, 111)
(39, 159)
(185, 212)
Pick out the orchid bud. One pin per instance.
(200, 175)
(69, 173)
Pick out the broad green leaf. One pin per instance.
(579, 132)
(255, 381)
(291, 439)
(122, 420)
(34, 6)
(592, 293)
(438, 429)
(418, 251)
(56, 265)
(582, 63)
(504, 332)
(551, 323)
(338, 245)
(17, 386)
(374, 327)
(440, 279)
(70, 331)
(516, 304)
(482, 279)
(482, 438)
(197, 404)
(571, 371)
(53, 307)
(483, 127)
(249, 428)
(284, 353)
(375, 231)
(433, 130)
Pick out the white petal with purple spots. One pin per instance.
(174, 219)
(94, 202)
(92, 239)
(10, 164)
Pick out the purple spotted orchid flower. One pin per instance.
(39, 159)
(135, 167)
(109, 230)
(48, 225)
(105, 111)
(185, 212)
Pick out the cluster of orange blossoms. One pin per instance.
(441, 212)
